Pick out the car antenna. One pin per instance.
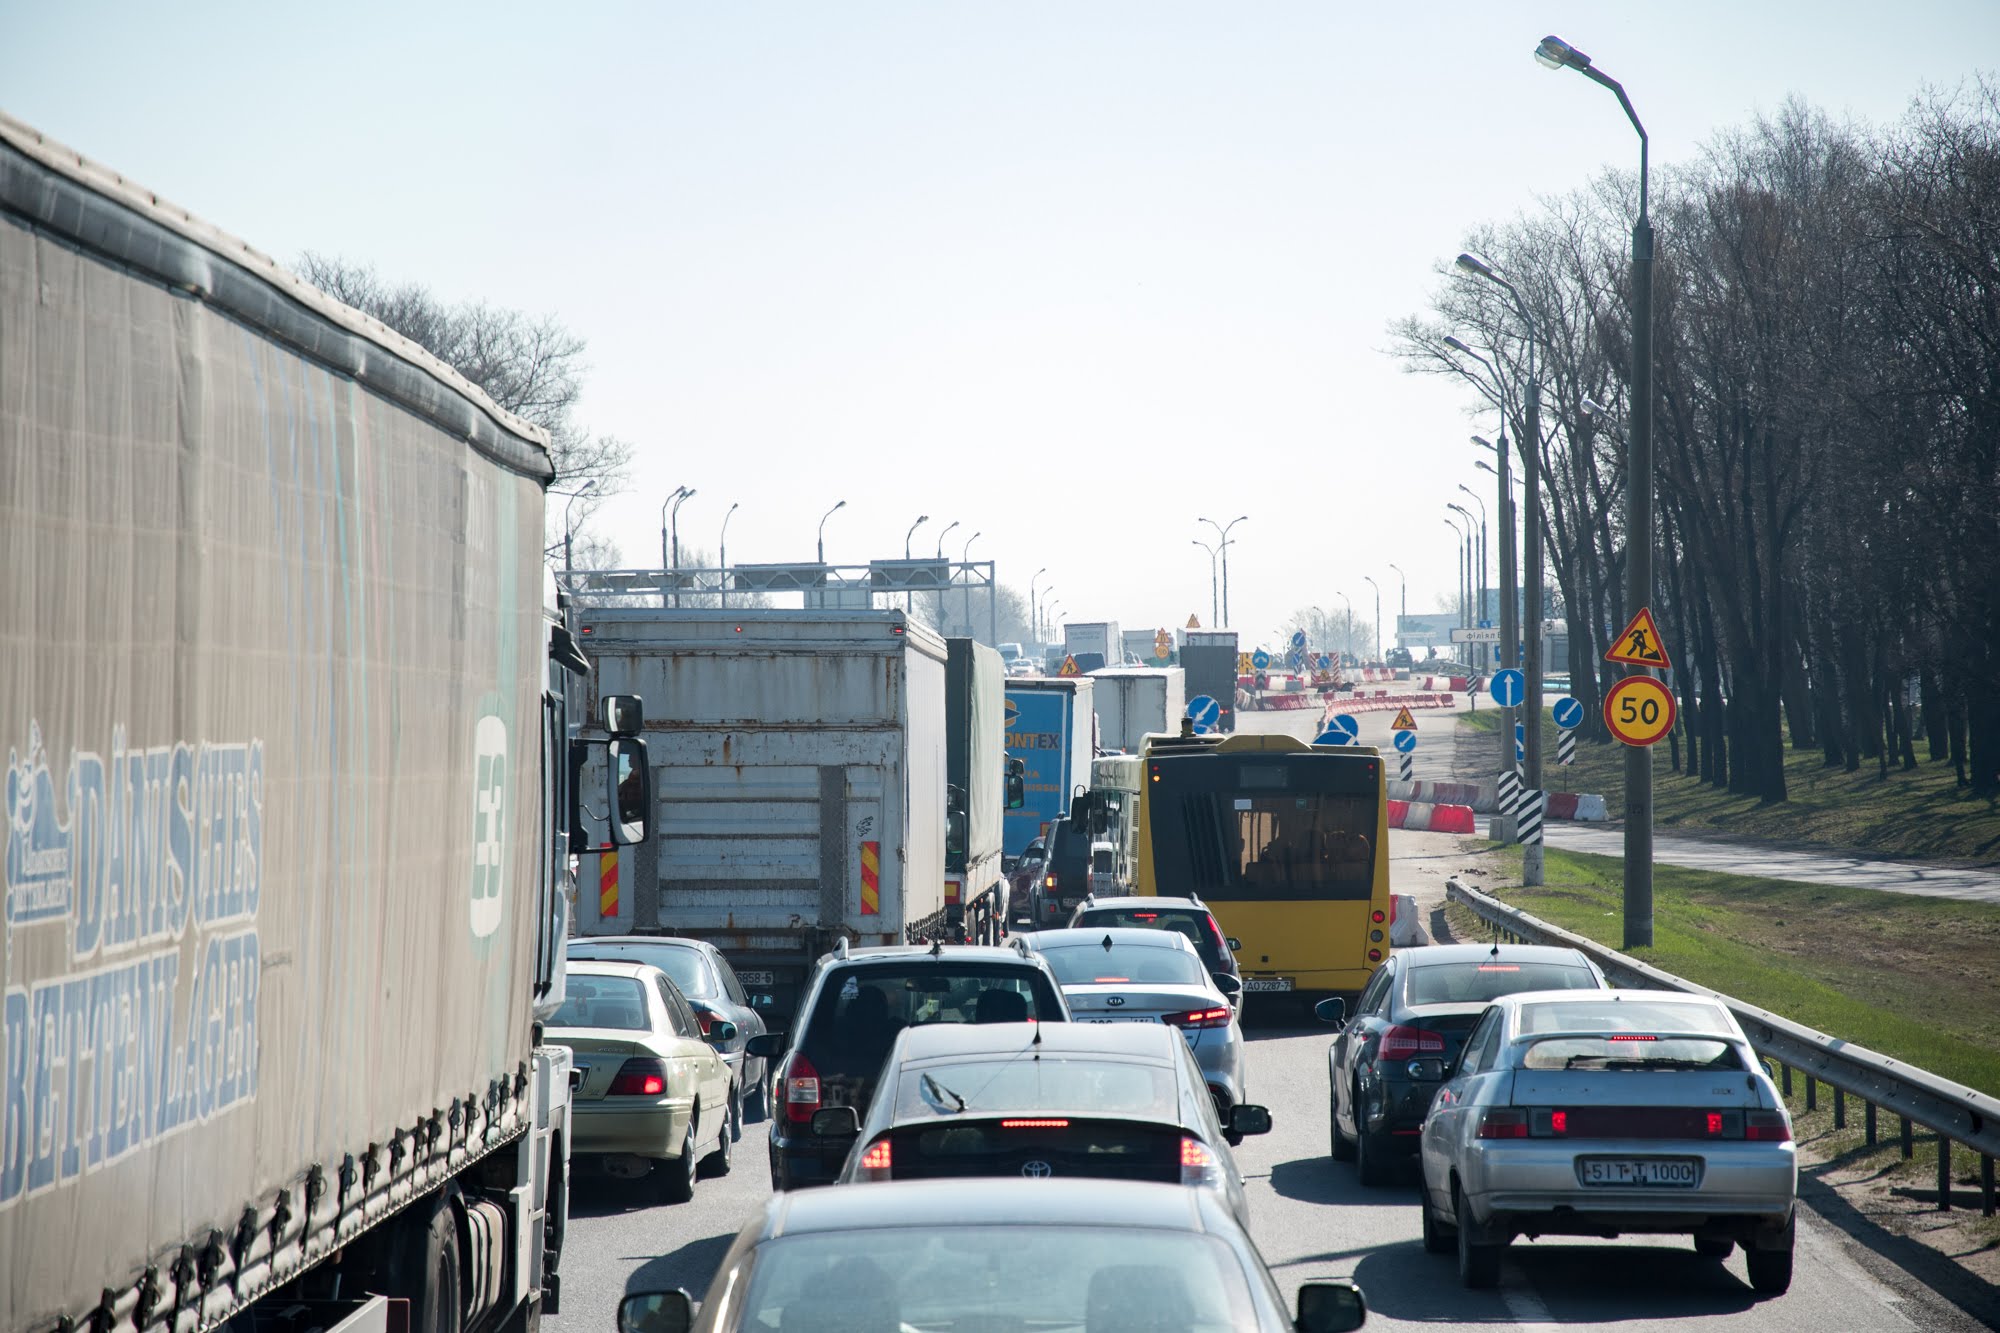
(1496, 943)
(937, 947)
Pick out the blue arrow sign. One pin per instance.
(1406, 741)
(1323, 662)
(1205, 711)
(1569, 714)
(1341, 729)
(1508, 688)
(1298, 638)
(1260, 659)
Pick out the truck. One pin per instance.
(801, 780)
(1134, 702)
(1210, 658)
(981, 785)
(1051, 729)
(288, 791)
(1093, 644)
(1141, 646)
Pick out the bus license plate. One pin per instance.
(1670, 1173)
(1267, 983)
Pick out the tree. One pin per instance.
(530, 365)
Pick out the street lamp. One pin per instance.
(1048, 615)
(569, 529)
(722, 553)
(1378, 615)
(838, 506)
(1556, 53)
(1034, 615)
(1482, 546)
(1471, 548)
(1347, 636)
(1508, 651)
(1223, 533)
(921, 520)
(1403, 606)
(687, 493)
(666, 557)
(1464, 568)
(965, 558)
(942, 535)
(1214, 611)
(1532, 583)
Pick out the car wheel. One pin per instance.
(1771, 1270)
(1339, 1144)
(735, 1114)
(1478, 1265)
(1714, 1247)
(1371, 1155)
(676, 1176)
(1437, 1236)
(717, 1163)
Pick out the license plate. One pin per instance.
(1071, 901)
(1267, 983)
(1120, 1018)
(754, 978)
(1681, 1173)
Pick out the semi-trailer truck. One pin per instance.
(981, 785)
(1209, 657)
(1135, 702)
(1051, 729)
(288, 796)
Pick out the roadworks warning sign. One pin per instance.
(1639, 643)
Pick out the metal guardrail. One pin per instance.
(1952, 1111)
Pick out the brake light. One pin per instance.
(1559, 1122)
(1200, 1018)
(1404, 1043)
(1630, 1036)
(1198, 1164)
(1102, 980)
(1767, 1127)
(1145, 916)
(640, 1077)
(1034, 1124)
(1374, 955)
(1049, 883)
(875, 1162)
(1377, 917)
(1504, 1123)
(801, 1089)
(1714, 1122)
(1499, 967)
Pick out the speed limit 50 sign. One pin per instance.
(1639, 710)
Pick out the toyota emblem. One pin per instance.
(1114, 1000)
(1037, 1170)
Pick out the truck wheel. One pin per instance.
(424, 1269)
(676, 1176)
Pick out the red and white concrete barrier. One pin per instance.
(1424, 817)
(1481, 797)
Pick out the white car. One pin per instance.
(1578, 1113)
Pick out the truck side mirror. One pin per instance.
(623, 714)
(1017, 784)
(954, 833)
(631, 780)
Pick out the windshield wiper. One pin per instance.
(939, 1092)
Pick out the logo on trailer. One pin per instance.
(489, 823)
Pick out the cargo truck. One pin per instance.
(1141, 647)
(801, 780)
(1209, 657)
(288, 804)
(1093, 645)
(1051, 729)
(1134, 702)
(981, 785)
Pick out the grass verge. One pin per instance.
(1920, 814)
(1907, 976)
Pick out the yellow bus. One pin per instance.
(1287, 844)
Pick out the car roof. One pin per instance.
(986, 1201)
(669, 941)
(891, 953)
(606, 967)
(1076, 937)
(944, 1041)
(1433, 954)
(1143, 900)
(1519, 998)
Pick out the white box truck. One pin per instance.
(1094, 644)
(1134, 702)
(800, 770)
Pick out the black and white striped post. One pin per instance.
(1508, 797)
(1529, 818)
(1566, 747)
(1409, 765)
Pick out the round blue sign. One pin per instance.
(1323, 662)
(1406, 741)
(1508, 688)
(1298, 638)
(1205, 711)
(1569, 714)
(1260, 659)
(1341, 729)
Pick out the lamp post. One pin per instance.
(1223, 532)
(1464, 568)
(1048, 615)
(1471, 551)
(965, 558)
(1347, 634)
(1478, 500)
(1532, 608)
(838, 506)
(1214, 606)
(666, 555)
(722, 553)
(1378, 615)
(1034, 614)
(1508, 651)
(686, 494)
(942, 535)
(1403, 604)
(921, 520)
(569, 528)
(1555, 53)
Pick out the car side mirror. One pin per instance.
(836, 1122)
(721, 1032)
(659, 1312)
(1330, 1305)
(1233, 943)
(766, 1045)
(1246, 1119)
(1332, 1010)
(1227, 984)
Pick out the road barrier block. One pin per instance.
(1452, 819)
(1406, 927)
(1562, 805)
(1590, 807)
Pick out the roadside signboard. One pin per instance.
(1163, 645)
(1406, 741)
(1260, 659)
(1508, 688)
(1639, 710)
(1403, 722)
(1204, 711)
(1568, 714)
(1341, 729)
(1298, 638)
(1639, 643)
(1475, 636)
(1070, 668)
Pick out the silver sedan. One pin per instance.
(1123, 974)
(1599, 1113)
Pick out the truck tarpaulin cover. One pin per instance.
(986, 756)
(262, 627)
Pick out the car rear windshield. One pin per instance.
(686, 966)
(1196, 927)
(1618, 1016)
(603, 1002)
(1022, 1083)
(997, 1277)
(862, 1008)
(1482, 982)
(1139, 964)
(1634, 1050)
(1102, 860)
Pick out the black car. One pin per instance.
(714, 994)
(1188, 916)
(856, 1002)
(1408, 1024)
(1064, 878)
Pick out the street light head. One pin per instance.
(1484, 443)
(1555, 53)
(840, 505)
(1592, 408)
(1483, 466)
(1451, 341)
(1474, 264)
(590, 485)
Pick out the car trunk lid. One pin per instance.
(597, 1058)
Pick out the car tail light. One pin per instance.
(1767, 1126)
(640, 1077)
(875, 1162)
(1049, 882)
(1404, 1043)
(1198, 1164)
(801, 1083)
(1200, 1018)
(1145, 916)
(1504, 1122)
(1631, 1036)
(1034, 1124)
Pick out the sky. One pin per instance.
(1073, 276)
